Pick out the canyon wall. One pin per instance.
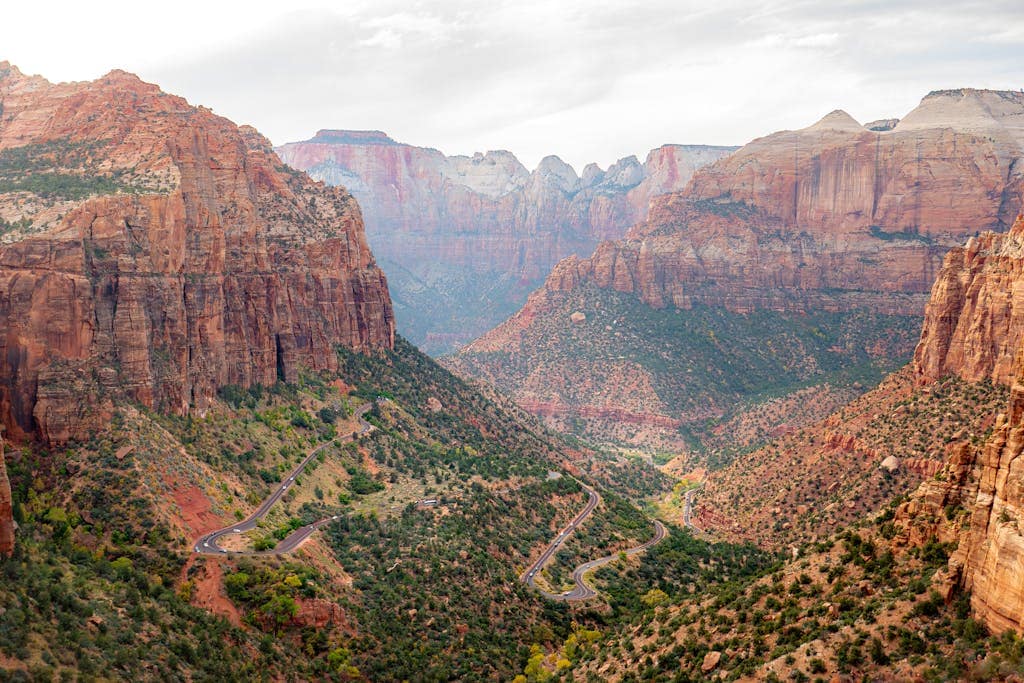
(154, 251)
(832, 216)
(465, 239)
(973, 329)
(974, 321)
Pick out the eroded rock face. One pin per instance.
(983, 483)
(466, 238)
(972, 329)
(6, 510)
(974, 322)
(170, 254)
(833, 217)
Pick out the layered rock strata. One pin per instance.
(833, 217)
(157, 252)
(972, 329)
(468, 237)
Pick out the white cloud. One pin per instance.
(589, 80)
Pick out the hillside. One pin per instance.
(393, 588)
(156, 252)
(833, 218)
(599, 364)
(925, 587)
(463, 240)
(186, 320)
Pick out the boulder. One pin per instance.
(711, 661)
(890, 464)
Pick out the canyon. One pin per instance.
(155, 252)
(832, 218)
(184, 316)
(464, 239)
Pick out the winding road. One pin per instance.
(689, 506)
(207, 543)
(581, 591)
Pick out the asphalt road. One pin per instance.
(207, 543)
(581, 591)
(689, 506)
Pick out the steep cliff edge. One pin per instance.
(974, 321)
(157, 252)
(972, 329)
(464, 239)
(831, 218)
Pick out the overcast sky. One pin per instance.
(588, 80)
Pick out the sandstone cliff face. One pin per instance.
(6, 510)
(832, 218)
(982, 485)
(974, 321)
(158, 252)
(972, 329)
(464, 239)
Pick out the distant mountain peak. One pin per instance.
(837, 120)
(969, 109)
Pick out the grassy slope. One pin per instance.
(423, 594)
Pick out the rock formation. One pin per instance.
(6, 509)
(157, 252)
(833, 217)
(974, 321)
(972, 330)
(464, 239)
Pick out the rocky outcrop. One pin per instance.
(159, 253)
(972, 329)
(981, 486)
(464, 239)
(6, 509)
(974, 321)
(833, 217)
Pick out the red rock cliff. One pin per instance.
(833, 216)
(974, 321)
(158, 252)
(973, 328)
(468, 237)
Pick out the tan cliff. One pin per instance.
(466, 238)
(833, 217)
(972, 329)
(155, 251)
